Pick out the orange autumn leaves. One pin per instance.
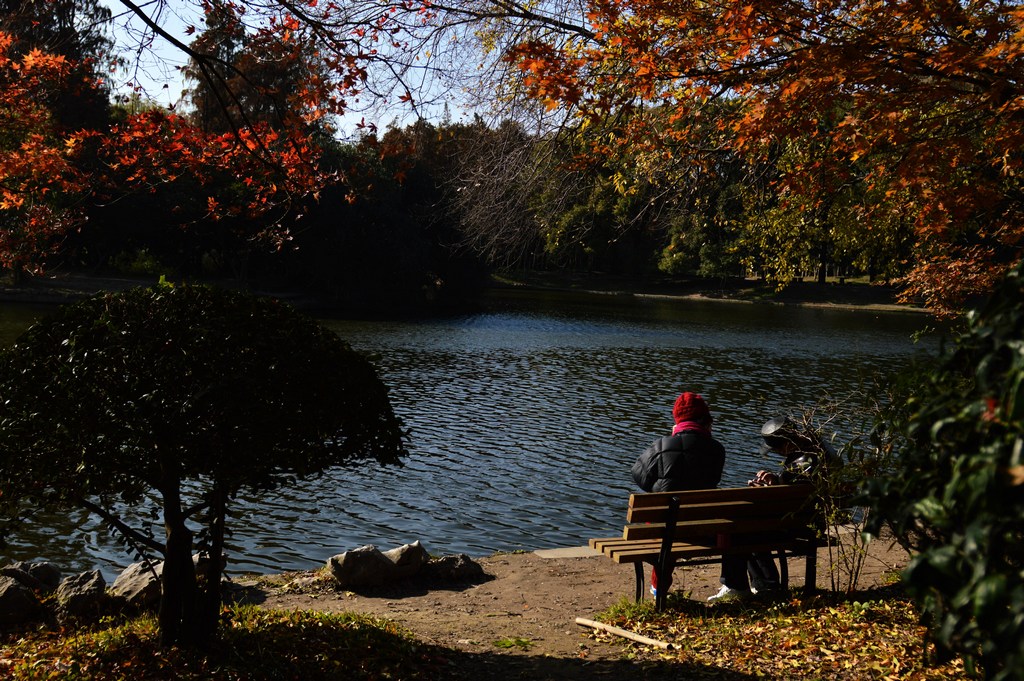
(916, 104)
(37, 179)
(49, 175)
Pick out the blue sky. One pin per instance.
(154, 69)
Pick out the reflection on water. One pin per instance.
(526, 417)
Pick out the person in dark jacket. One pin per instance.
(804, 456)
(689, 458)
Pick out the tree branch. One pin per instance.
(133, 536)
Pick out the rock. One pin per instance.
(18, 603)
(408, 559)
(137, 585)
(47, 573)
(365, 566)
(23, 577)
(368, 566)
(455, 568)
(38, 576)
(81, 596)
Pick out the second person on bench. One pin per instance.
(804, 455)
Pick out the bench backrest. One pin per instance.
(705, 513)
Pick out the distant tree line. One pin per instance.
(424, 212)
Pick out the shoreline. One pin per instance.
(831, 295)
(59, 288)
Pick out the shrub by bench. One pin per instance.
(666, 529)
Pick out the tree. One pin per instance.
(588, 220)
(243, 77)
(49, 175)
(389, 236)
(180, 397)
(930, 96)
(40, 188)
(74, 30)
(955, 493)
(915, 105)
(497, 175)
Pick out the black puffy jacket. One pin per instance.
(690, 460)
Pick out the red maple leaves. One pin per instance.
(48, 175)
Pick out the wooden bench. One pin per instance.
(666, 529)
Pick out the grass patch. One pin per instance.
(875, 636)
(253, 644)
(521, 643)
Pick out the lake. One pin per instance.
(526, 416)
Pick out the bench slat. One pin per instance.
(704, 496)
(728, 509)
(647, 552)
(712, 526)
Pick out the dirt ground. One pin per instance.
(521, 621)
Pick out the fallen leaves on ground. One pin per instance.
(253, 645)
(876, 636)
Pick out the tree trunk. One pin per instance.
(209, 609)
(178, 585)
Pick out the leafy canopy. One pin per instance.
(234, 388)
(50, 174)
(917, 104)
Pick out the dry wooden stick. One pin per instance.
(623, 633)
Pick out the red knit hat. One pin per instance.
(691, 407)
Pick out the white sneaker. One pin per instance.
(753, 590)
(726, 594)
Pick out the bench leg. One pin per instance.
(783, 570)
(639, 581)
(665, 570)
(811, 569)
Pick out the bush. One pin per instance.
(172, 400)
(957, 498)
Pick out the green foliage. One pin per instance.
(241, 389)
(956, 431)
(135, 397)
(703, 236)
(520, 643)
(387, 238)
(139, 262)
(630, 610)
